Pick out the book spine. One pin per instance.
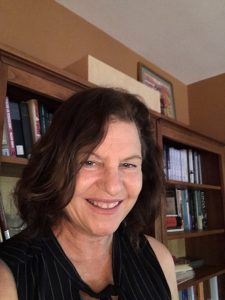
(191, 166)
(186, 210)
(12, 148)
(5, 142)
(26, 128)
(34, 119)
(43, 118)
(201, 291)
(214, 288)
(17, 128)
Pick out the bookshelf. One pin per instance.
(23, 78)
(209, 243)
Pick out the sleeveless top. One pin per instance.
(42, 271)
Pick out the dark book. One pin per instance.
(43, 118)
(25, 119)
(17, 128)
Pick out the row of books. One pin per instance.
(188, 294)
(24, 123)
(198, 292)
(182, 164)
(184, 272)
(185, 210)
(185, 267)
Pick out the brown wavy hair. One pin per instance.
(48, 181)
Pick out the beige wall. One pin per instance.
(207, 106)
(51, 33)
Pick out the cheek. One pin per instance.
(135, 185)
(83, 181)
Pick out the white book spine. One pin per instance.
(214, 288)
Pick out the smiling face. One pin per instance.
(108, 183)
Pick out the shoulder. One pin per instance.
(16, 247)
(160, 249)
(166, 262)
(7, 283)
(18, 251)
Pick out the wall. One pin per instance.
(53, 34)
(207, 106)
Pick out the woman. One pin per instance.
(88, 196)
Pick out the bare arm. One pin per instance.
(166, 262)
(7, 283)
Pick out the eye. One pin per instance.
(128, 165)
(89, 163)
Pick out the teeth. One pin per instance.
(103, 205)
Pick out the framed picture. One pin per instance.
(151, 79)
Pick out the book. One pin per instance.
(34, 119)
(182, 267)
(214, 288)
(204, 210)
(45, 118)
(191, 166)
(26, 126)
(198, 208)
(191, 293)
(174, 223)
(3, 223)
(186, 210)
(200, 288)
(184, 165)
(184, 276)
(5, 142)
(17, 128)
(195, 263)
(9, 129)
(193, 215)
(171, 206)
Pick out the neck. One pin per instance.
(80, 246)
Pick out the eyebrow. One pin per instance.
(135, 156)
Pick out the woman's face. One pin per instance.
(108, 183)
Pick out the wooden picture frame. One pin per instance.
(151, 79)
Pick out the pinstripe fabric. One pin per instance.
(43, 272)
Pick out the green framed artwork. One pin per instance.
(151, 79)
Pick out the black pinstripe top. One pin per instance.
(43, 272)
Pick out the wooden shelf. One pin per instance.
(192, 234)
(181, 184)
(202, 274)
(13, 160)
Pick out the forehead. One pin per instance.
(119, 135)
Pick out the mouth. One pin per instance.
(103, 204)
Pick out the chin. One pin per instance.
(105, 230)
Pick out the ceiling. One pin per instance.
(185, 38)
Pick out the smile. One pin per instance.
(104, 205)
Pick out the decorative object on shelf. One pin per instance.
(151, 79)
(102, 74)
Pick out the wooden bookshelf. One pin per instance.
(23, 78)
(208, 244)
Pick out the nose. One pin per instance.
(112, 181)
